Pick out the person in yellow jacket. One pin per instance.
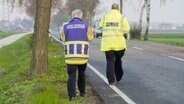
(76, 34)
(113, 43)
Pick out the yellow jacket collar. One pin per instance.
(114, 11)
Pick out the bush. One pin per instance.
(135, 32)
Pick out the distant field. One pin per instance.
(4, 34)
(168, 38)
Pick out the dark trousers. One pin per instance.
(71, 84)
(114, 65)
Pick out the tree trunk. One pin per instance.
(121, 6)
(140, 18)
(148, 5)
(40, 37)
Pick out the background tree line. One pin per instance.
(61, 11)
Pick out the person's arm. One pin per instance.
(62, 36)
(101, 23)
(126, 26)
(90, 33)
(125, 35)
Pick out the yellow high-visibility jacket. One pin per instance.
(76, 49)
(114, 26)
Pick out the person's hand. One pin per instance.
(125, 35)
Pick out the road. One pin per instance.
(154, 74)
(10, 39)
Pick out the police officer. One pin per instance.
(77, 34)
(114, 26)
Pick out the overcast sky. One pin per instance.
(171, 12)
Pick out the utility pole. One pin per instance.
(121, 6)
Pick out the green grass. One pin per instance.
(4, 34)
(14, 64)
(17, 86)
(168, 38)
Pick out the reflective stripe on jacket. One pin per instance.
(77, 49)
(114, 27)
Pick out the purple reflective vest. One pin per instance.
(76, 39)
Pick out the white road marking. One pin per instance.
(138, 48)
(176, 58)
(118, 91)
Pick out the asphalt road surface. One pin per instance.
(153, 74)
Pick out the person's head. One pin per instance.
(115, 6)
(77, 13)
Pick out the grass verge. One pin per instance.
(168, 38)
(17, 86)
(4, 34)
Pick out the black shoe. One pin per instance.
(118, 82)
(70, 98)
(82, 94)
(112, 84)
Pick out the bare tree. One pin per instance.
(31, 6)
(87, 6)
(140, 18)
(147, 5)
